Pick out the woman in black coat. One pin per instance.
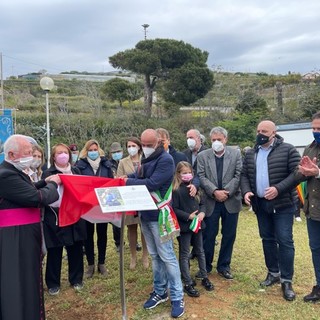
(93, 163)
(70, 237)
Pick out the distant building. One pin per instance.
(77, 76)
(298, 134)
(311, 76)
(90, 77)
(30, 76)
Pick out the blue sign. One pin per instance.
(6, 129)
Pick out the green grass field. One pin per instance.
(241, 298)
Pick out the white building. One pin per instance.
(298, 134)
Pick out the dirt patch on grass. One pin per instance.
(80, 306)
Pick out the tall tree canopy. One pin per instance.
(179, 68)
(120, 90)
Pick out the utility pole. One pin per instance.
(279, 96)
(145, 26)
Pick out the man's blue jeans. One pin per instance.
(314, 243)
(165, 266)
(275, 228)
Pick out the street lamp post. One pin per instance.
(47, 85)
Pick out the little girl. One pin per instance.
(188, 208)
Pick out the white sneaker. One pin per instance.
(78, 286)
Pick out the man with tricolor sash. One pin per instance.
(160, 226)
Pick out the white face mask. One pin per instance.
(132, 151)
(148, 151)
(35, 163)
(217, 146)
(22, 163)
(191, 143)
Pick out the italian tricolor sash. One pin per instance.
(168, 223)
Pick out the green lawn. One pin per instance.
(241, 298)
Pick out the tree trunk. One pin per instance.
(147, 96)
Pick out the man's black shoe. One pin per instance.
(191, 291)
(287, 290)
(207, 284)
(226, 274)
(313, 296)
(270, 280)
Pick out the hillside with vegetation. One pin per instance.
(80, 110)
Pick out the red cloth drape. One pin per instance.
(79, 196)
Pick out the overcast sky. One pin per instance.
(240, 35)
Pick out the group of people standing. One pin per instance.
(92, 161)
(194, 191)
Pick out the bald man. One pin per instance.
(268, 184)
(156, 173)
(194, 147)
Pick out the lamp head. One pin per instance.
(46, 84)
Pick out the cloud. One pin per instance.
(270, 36)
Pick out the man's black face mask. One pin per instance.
(261, 139)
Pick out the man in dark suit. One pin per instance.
(194, 147)
(177, 157)
(219, 171)
(165, 139)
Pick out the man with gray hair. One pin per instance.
(20, 233)
(219, 171)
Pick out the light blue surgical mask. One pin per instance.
(93, 155)
(116, 156)
(74, 157)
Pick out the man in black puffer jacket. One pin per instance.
(268, 183)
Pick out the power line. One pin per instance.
(32, 63)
